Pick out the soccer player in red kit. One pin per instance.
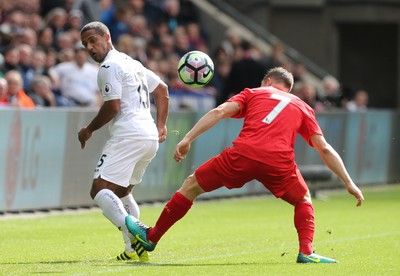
(264, 150)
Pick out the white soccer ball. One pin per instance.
(195, 69)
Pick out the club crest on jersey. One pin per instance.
(106, 88)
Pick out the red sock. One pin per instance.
(174, 210)
(305, 225)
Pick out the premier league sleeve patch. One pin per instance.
(106, 89)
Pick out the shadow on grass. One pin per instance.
(202, 264)
(136, 263)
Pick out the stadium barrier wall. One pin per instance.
(43, 167)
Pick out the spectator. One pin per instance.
(160, 29)
(299, 72)
(138, 27)
(125, 44)
(41, 93)
(137, 6)
(331, 95)
(134, 47)
(25, 65)
(56, 20)
(221, 73)
(91, 9)
(116, 18)
(16, 96)
(245, 73)
(11, 59)
(77, 79)
(36, 22)
(3, 92)
(139, 49)
(51, 59)
(74, 24)
(359, 102)
(14, 23)
(157, 31)
(65, 55)
(172, 9)
(29, 36)
(196, 40)
(308, 93)
(38, 63)
(45, 38)
(182, 45)
(75, 20)
(233, 44)
(277, 56)
(65, 41)
(153, 50)
(167, 44)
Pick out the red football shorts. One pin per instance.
(232, 170)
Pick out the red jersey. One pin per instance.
(272, 119)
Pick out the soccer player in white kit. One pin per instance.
(125, 85)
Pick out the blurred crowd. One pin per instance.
(43, 64)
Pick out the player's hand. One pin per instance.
(84, 135)
(356, 192)
(162, 134)
(181, 150)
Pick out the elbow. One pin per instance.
(218, 112)
(115, 111)
(161, 92)
(325, 150)
(112, 107)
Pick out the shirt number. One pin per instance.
(143, 91)
(283, 102)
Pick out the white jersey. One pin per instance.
(121, 77)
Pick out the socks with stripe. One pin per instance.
(305, 225)
(175, 209)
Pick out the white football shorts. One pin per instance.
(124, 161)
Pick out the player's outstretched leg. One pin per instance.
(139, 231)
(314, 258)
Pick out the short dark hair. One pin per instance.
(97, 26)
(281, 75)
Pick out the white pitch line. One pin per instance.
(241, 253)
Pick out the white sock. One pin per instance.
(112, 208)
(127, 239)
(132, 208)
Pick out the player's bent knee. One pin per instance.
(191, 188)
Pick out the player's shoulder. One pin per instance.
(120, 60)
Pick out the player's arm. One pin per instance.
(333, 160)
(106, 113)
(161, 98)
(210, 119)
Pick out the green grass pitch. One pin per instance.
(241, 236)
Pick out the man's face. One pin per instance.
(14, 84)
(81, 56)
(96, 45)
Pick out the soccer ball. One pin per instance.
(195, 69)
